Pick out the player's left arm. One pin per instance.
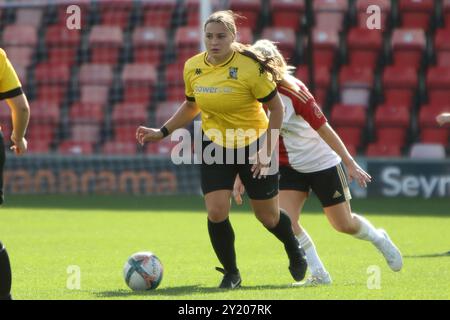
(330, 136)
(20, 113)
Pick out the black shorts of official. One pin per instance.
(330, 185)
(221, 176)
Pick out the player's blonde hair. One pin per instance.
(270, 64)
(273, 56)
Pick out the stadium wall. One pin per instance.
(143, 175)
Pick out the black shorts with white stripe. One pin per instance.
(330, 185)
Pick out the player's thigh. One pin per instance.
(218, 205)
(292, 201)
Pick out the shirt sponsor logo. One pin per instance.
(201, 89)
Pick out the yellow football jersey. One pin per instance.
(10, 86)
(229, 96)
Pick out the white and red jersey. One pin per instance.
(301, 147)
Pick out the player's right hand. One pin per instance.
(20, 145)
(144, 134)
(238, 190)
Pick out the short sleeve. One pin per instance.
(261, 84)
(188, 91)
(10, 85)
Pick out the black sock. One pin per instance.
(5, 274)
(2, 164)
(222, 240)
(283, 231)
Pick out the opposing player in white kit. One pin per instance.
(311, 157)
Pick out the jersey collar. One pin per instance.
(205, 60)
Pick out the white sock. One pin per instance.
(367, 231)
(314, 262)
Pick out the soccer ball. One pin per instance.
(143, 271)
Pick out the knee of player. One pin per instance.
(217, 214)
(347, 228)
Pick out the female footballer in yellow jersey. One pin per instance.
(227, 83)
(11, 90)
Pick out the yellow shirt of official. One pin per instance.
(229, 96)
(10, 86)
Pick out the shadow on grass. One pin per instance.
(185, 291)
(195, 203)
(432, 255)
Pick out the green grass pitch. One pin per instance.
(45, 235)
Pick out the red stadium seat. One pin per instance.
(250, 9)
(245, 35)
(285, 39)
(20, 56)
(62, 44)
(187, 42)
(85, 132)
(438, 78)
(96, 74)
(40, 132)
(322, 76)
(87, 113)
(48, 73)
(38, 147)
(70, 147)
(408, 46)
(399, 77)
(45, 112)
(96, 94)
(399, 97)
(329, 14)
(441, 97)
(383, 150)
(356, 83)
(29, 16)
(115, 12)
(391, 136)
(165, 110)
(416, 13)
(325, 44)
(20, 36)
(158, 13)
(130, 113)
(399, 84)
(175, 93)
(348, 116)
(125, 132)
(391, 116)
(435, 135)
(446, 9)
(442, 46)
(350, 135)
(163, 147)
(119, 148)
(363, 15)
(174, 74)
(138, 80)
(428, 114)
(364, 46)
(287, 13)
(149, 44)
(105, 43)
(54, 93)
